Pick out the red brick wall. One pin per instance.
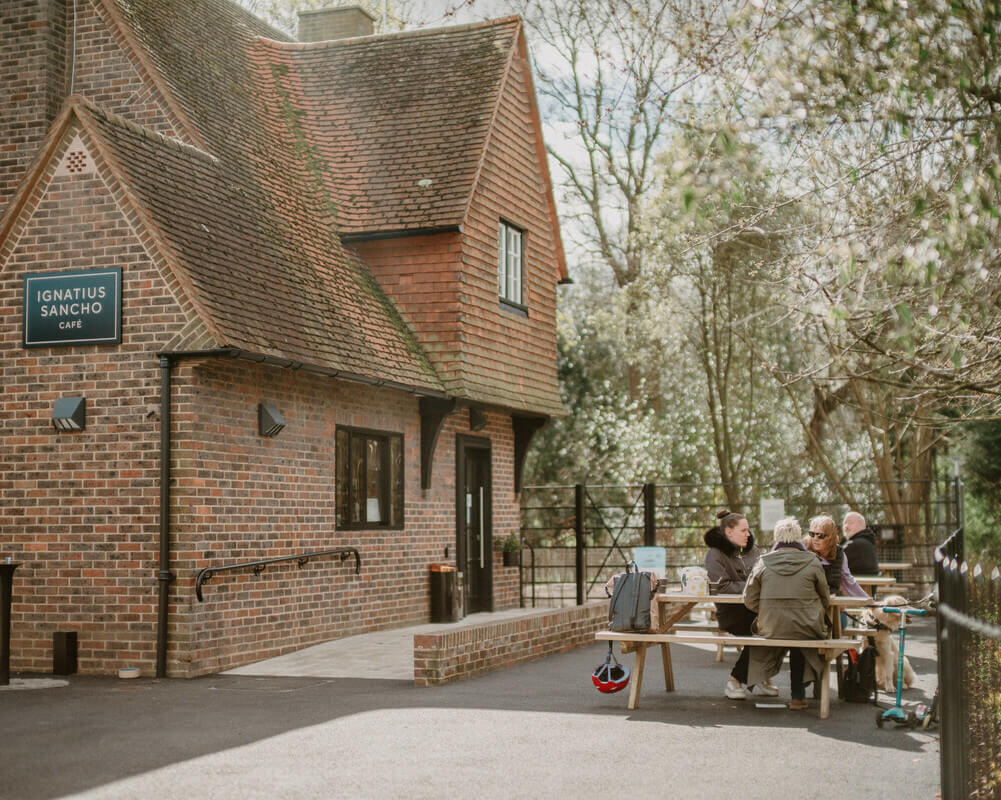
(35, 78)
(80, 508)
(240, 497)
(465, 652)
(507, 584)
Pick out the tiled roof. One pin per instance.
(271, 271)
(401, 121)
(370, 120)
(312, 141)
(319, 307)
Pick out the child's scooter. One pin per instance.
(927, 715)
(897, 713)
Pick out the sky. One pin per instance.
(457, 12)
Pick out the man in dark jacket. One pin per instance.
(860, 549)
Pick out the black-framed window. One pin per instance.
(369, 478)
(510, 263)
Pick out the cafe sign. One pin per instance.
(64, 308)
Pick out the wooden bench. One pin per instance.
(686, 627)
(700, 627)
(829, 650)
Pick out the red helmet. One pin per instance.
(611, 676)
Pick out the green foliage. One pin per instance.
(981, 467)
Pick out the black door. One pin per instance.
(473, 523)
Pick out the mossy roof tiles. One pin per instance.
(303, 144)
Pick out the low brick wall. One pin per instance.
(458, 654)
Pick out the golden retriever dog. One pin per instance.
(886, 649)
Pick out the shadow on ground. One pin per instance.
(101, 731)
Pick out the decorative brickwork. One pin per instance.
(460, 654)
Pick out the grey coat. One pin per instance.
(788, 590)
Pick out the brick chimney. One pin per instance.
(324, 24)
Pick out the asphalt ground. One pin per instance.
(537, 730)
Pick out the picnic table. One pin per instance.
(894, 566)
(675, 606)
(873, 582)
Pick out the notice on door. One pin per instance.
(66, 308)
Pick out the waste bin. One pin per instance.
(444, 597)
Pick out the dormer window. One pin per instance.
(510, 264)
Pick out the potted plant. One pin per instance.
(511, 548)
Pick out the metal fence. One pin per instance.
(576, 537)
(969, 674)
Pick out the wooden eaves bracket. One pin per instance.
(524, 430)
(433, 412)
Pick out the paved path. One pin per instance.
(538, 730)
(383, 654)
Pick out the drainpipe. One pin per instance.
(164, 576)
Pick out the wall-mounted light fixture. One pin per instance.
(69, 414)
(269, 420)
(477, 419)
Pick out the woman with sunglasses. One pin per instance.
(823, 541)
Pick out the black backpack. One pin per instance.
(629, 608)
(859, 685)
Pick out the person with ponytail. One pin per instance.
(731, 557)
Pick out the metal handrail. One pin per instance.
(260, 565)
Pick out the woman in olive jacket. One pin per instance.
(788, 590)
(731, 556)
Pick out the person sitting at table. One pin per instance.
(860, 547)
(788, 590)
(731, 557)
(823, 541)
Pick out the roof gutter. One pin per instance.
(400, 233)
(315, 369)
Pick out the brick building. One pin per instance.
(209, 232)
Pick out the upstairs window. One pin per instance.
(510, 264)
(369, 479)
